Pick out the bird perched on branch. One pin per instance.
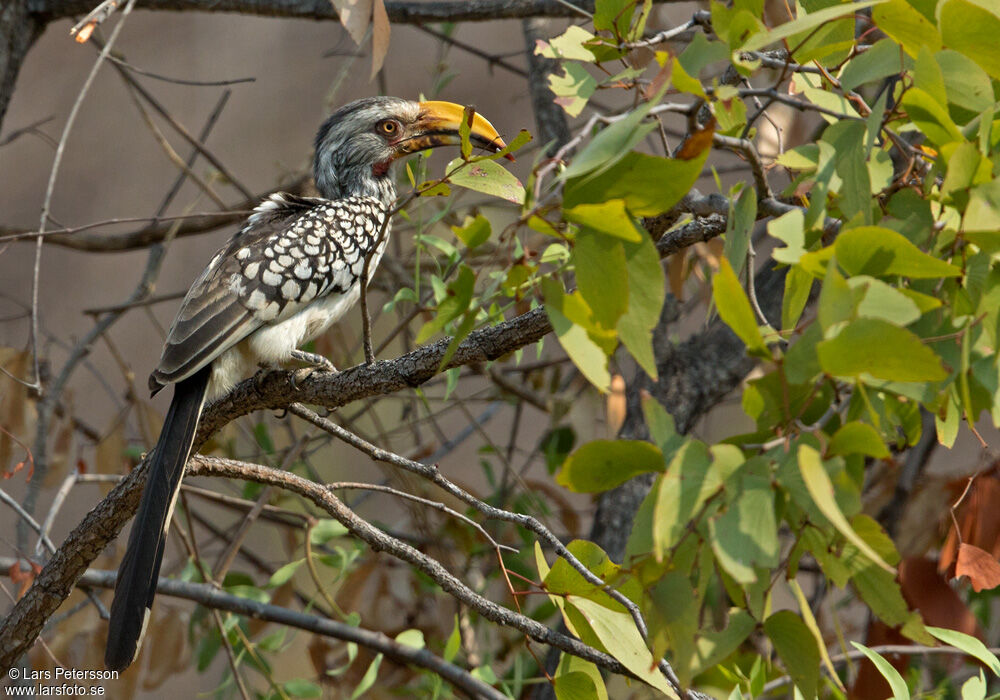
(292, 270)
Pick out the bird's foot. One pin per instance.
(258, 378)
(318, 362)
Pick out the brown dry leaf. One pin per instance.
(355, 16)
(168, 650)
(677, 273)
(616, 405)
(926, 590)
(17, 413)
(22, 579)
(980, 566)
(696, 143)
(380, 36)
(659, 80)
(978, 518)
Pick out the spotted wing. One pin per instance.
(212, 317)
(292, 251)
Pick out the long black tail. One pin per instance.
(140, 569)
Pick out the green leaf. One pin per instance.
(611, 144)
(982, 215)
(739, 228)
(796, 648)
(858, 438)
(325, 530)
(647, 184)
(368, 680)
(301, 688)
(556, 445)
(573, 88)
(970, 645)
(837, 300)
(790, 228)
(618, 633)
(972, 30)
(848, 140)
(646, 292)
(891, 675)
(907, 26)
(804, 23)
(713, 647)
(603, 464)
(454, 304)
(879, 61)
(488, 177)
(820, 488)
(735, 309)
(673, 620)
(601, 275)
(966, 84)
(745, 535)
(876, 251)
(568, 45)
(662, 427)
(474, 231)
(684, 487)
(573, 664)
(930, 116)
(411, 638)
(454, 642)
(882, 350)
(975, 687)
(575, 685)
(608, 217)
(798, 285)
(884, 302)
(810, 621)
(285, 573)
(586, 354)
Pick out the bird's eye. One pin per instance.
(388, 127)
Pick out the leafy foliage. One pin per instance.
(884, 229)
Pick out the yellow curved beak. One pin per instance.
(438, 125)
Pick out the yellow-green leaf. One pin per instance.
(821, 490)
(734, 308)
(600, 465)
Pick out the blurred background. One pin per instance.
(114, 168)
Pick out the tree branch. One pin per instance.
(399, 11)
(216, 599)
(272, 391)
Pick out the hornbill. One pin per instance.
(290, 272)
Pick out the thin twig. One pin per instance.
(180, 81)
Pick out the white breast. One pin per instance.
(271, 345)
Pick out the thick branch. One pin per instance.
(272, 391)
(18, 31)
(399, 11)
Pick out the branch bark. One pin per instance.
(18, 30)
(399, 11)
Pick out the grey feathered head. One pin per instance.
(356, 146)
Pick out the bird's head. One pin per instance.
(358, 144)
